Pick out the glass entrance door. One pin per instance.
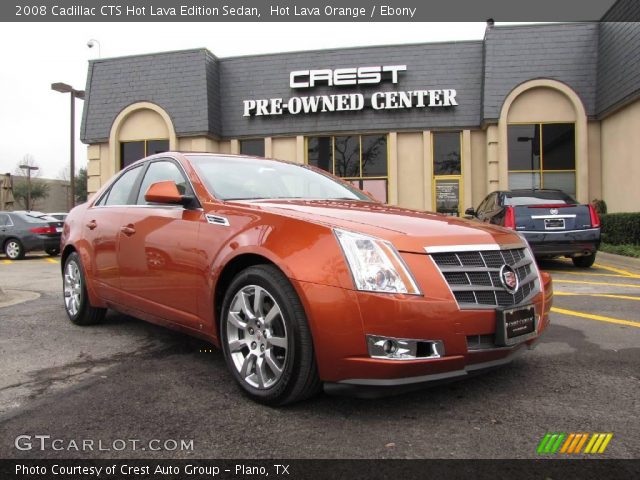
(447, 173)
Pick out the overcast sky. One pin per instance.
(35, 120)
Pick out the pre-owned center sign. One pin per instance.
(341, 102)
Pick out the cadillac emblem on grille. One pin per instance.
(509, 279)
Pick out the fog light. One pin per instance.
(403, 349)
(390, 347)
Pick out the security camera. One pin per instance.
(90, 43)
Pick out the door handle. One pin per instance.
(128, 230)
(92, 224)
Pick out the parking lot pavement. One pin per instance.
(128, 379)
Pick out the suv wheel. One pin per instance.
(13, 249)
(585, 261)
(76, 300)
(266, 339)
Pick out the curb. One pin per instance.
(620, 261)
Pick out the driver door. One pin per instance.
(160, 263)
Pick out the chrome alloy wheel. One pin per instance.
(72, 288)
(257, 337)
(12, 249)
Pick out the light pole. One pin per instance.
(28, 168)
(92, 43)
(64, 88)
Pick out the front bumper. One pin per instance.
(340, 319)
(373, 388)
(571, 243)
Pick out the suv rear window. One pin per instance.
(541, 197)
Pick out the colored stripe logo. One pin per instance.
(573, 443)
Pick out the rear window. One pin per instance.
(30, 218)
(538, 198)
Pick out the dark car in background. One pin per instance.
(22, 232)
(553, 223)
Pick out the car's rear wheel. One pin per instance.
(76, 300)
(52, 252)
(266, 339)
(584, 261)
(13, 249)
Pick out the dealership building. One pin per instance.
(432, 126)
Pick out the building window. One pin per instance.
(360, 159)
(542, 155)
(447, 173)
(132, 151)
(446, 153)
(252, 147)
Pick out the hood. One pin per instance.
(408, 230)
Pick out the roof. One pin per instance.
(204, 94)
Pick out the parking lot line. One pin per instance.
(606, 295)
(616, 270)
(562, 272)
(585, 282)
(52, 260)
(599, 318)
(7, 262)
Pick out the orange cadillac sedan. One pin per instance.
(303, 280)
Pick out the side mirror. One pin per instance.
(470, 212)
(166, 192)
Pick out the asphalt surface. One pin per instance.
(126, 379)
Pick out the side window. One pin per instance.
(491, 203)
(483, 206)
(121, 190)
(4, 220)
(161, 172)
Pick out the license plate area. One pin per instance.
(515, 325)
(554, 223)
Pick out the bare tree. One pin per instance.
(63, 173)
(30, 161)
(27, 188)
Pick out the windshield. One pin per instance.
(237, 178)
(539, 197)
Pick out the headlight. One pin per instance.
(375, 264)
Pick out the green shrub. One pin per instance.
(626, 250)
(599, 205)
(621, 228)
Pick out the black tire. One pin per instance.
(299, 379)
(52, 252)
(85, 313)
(585, 261)
(13, 249)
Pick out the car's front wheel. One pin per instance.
(266, 338)
(584, 261)
(76, 300)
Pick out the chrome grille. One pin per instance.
(474, 277)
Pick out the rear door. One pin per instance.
(101, 228)
(161, 266)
